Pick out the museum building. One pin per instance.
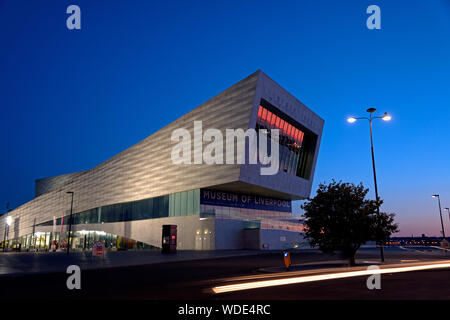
(124, 201)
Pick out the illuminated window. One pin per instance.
(269, 118)
(264, 114)
(285, 127)
(296, 153)
(290, 128)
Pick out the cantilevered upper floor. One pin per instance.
(146, 170)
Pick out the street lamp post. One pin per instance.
(7, 224)
(385, 117)
(448, 212)
(70, 221)
(4, 238)
(440, 213)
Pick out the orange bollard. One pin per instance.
(287, 259)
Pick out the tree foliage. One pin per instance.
(340, 219)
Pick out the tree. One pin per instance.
(339, 218)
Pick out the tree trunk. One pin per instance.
(352, 260)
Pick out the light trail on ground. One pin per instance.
(321, 277)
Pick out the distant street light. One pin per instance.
(8, 223)
(448, 212)
(385, 117)
(440, 213)
(70, 221)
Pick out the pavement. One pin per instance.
(16, 263)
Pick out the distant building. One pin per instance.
(414, 241)
(125, 201)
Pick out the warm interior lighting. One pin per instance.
(386, 117)
(351, 119)
(270, 120)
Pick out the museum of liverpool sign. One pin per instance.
(228, 199)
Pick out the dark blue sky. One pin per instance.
(72, 99)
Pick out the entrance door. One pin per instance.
(198, 240)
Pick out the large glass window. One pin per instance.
(196, 201)
(165, 211)
(190, 202)
(297, 144)
(183, 203)
(177, 204)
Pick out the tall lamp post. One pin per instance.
(371, 117)
(70, 221)
(448, 212)
(7, 224)
(440, 213)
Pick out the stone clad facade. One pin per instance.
(145, 170)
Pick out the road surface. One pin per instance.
(195, 279)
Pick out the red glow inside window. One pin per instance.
(285, 127)
(291, 130)
(264, 114)
(281, 124)
(273, 119)
(269, 116)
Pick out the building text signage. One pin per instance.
(229, 199)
